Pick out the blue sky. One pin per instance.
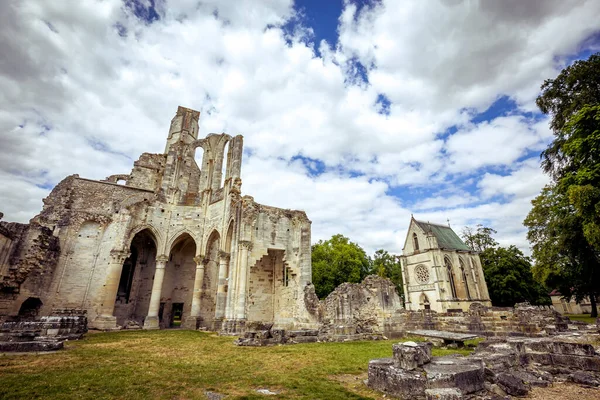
(359, 113)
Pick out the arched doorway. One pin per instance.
(178, 283)
(424, 300)
(135, 284)
(30, 309)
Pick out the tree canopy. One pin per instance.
(388, 266)
(480, 238)
(509, 277)
(564, 223)
(336, 261)
(507, 271)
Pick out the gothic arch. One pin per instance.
(228, 242)
(451, 279)
(155, 235)
(464, 277)
(176, 236)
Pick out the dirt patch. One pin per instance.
(356, 384)
(565, 391)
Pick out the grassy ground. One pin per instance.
(582, 317)
(178, 364)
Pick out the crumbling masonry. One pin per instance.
(172, 242)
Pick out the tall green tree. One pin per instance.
(564, 258)
(388, 266)
(509, 277)
(564, 224)
(577, 86)
(480, 238)
(336, 261)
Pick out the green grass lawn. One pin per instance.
(179, 364)
(582, 317)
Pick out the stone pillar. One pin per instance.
(151, 321)
(105, 319)
(193, 320)
(221, 292)
(245, 247)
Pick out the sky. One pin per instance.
(359, 113)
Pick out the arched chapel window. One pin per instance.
(464, 277)
(415, 242)
(450, 276)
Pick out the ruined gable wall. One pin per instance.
(287, 230)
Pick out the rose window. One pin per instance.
(422, 273)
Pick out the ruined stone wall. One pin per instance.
(30, 254)
(356, 308)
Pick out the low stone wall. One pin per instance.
(523, 320)
(497, 368)
(47, 333)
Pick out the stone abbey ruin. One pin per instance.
(177, 243)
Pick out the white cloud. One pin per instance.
(77, 97)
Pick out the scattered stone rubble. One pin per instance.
(46, 334)
(498, 369)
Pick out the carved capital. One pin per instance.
(200, 259)
(119, 256)
(246, 244)
(162, 258)
(224, 255)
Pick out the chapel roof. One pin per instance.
(446, 237)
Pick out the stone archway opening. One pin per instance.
(425, 302)
(178, 283)
(30, 309)
(135, 285)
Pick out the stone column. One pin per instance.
(151, 321)
(192, 321)
(105, 319)
(221, 292)
(245, 247)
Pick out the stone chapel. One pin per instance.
(440, 271)
(171, 243)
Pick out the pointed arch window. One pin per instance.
(448, 265)
(464, 278)
(415, 241)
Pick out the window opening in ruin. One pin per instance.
(450, 277)
(416, 242)
(224, 166)
(176, 315)
(126, 280)
(30, 308)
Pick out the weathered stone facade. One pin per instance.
(172, 242)
(440, 272)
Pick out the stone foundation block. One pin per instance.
(410, 355)
(578, 362)
(464, 374)
(385, 377)
(22, 347)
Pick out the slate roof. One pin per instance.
(446, 237)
